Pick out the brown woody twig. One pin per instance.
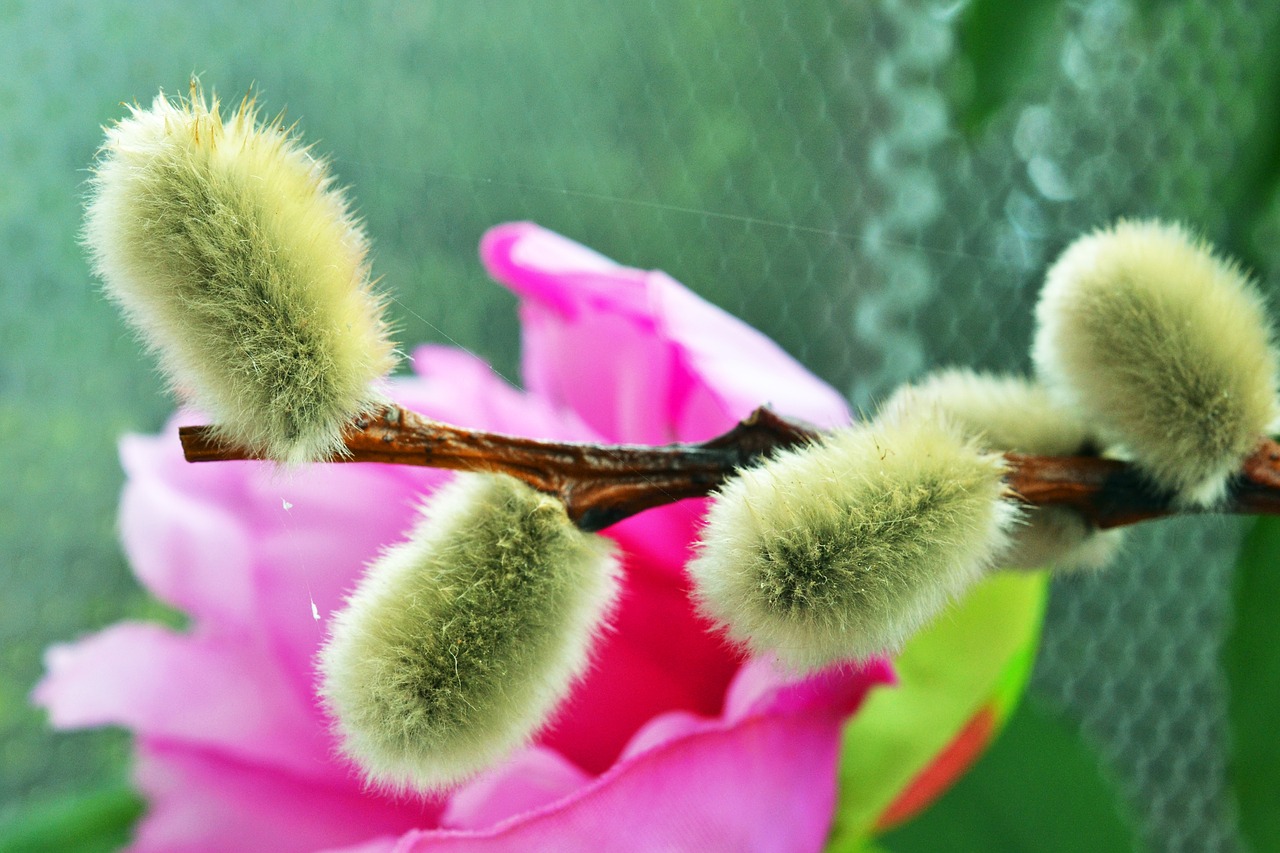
(603, 484)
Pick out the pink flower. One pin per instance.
(672, 742)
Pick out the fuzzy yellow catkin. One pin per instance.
(842, 549)
(1163, 347)
(457, 645)
(230, 250)
(1004, 413)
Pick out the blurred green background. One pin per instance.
(877, 185)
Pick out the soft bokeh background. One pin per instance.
(877, 185)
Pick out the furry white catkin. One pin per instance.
(230, 250)
(1165, 348)
(457, 645)
(1012, 413)
(843, 549)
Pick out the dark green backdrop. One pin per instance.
(877, 185)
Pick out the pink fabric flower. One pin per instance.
(672, 742)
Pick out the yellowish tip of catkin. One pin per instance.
(1164, 348)
(1006, 413)
(241, 265)
(843, 549)
(458, 644)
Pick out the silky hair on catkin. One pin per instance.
(241, 265)
(1002, 412)
(1007, 413)
(842, 549)
(457, 645)
(1165, 348)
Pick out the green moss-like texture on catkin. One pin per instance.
(843, 549)
(1004, 413)
(1165, 348)
(229, 249)
(457, 644)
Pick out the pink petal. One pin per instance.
(257, 551)
(593, 367)
(461, 389)
(762, 686)
(271, 553)
(308, 552)
(200, 801)
(635, 354)
(764, 782)
(385, 844)
(663, 538)
(192, 531)
(532, 779)
(187, 547)
(658, 657)
(229, 697)
(312, 553)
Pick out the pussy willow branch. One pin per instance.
(602, 484)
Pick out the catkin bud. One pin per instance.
(457, 644)
(1012, 413)
(230, 250)
(1165, 348)
(1000, 412)
(843, 549)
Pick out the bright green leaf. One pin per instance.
(975, 656)
(1007, 45)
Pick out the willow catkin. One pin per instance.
(241, 265)
(842, 549)
(1165, 348)
(457, 644)
(1003, 413)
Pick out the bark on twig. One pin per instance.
(603, 484)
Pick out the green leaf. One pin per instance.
(974, 657)
(1007, 45)
(92, 823)
(1038, 789)
(1251, 660)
